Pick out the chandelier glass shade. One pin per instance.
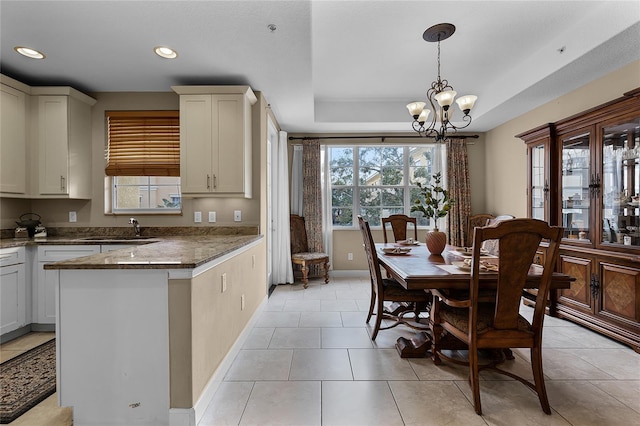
(440, 97)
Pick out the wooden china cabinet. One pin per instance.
(584, 175)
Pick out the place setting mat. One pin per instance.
(464, 268)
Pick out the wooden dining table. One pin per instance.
(420, 270)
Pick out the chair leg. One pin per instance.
(474, 379)
(436, 330)
(305, 275)
(538, 378)
(372, 305)
(379, 315)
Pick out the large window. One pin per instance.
(377, 181)
(143, 160)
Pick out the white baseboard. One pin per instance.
(191, 416)
(350, 273)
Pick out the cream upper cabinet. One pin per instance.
(63, 141)
(13, 138)
(215, 140)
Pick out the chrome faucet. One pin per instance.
(136, 225)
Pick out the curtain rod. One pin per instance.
(291, 138)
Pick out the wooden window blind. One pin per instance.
(143, 143)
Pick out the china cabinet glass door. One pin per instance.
(621, 183)
(577, 186)
(539, 184)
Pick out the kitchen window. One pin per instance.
(143, 161)
(377, 181)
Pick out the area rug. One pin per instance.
(26, 380)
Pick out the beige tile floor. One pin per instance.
(309, 361)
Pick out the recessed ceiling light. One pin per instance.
(165, 52)
(29, 52)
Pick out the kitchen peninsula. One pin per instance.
(142, 331)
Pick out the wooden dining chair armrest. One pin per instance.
(451, 301)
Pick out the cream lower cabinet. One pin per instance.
(13, 138)
(64, 142)
(13, 285)
(215, 140)
(44, 307)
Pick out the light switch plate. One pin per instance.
(197, 217)
(73, 217)
(212, 217)
(237, 215)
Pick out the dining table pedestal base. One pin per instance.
(420, 346)
(417, 347)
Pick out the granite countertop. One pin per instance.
(168, 252)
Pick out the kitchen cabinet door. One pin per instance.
(13, 140)
(216, 140)
(53, 146)
(196, 146)
(44, 307)
(64, 143)
(13, 289)
(12, 298)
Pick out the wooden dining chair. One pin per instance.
(474, 221)
(399, 224)
(388, 290)
(300, 255)
(496, 323)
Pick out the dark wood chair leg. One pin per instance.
(538, 379)
(436, 330)
(379, 315)
(474, 380)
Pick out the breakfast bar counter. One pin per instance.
(144, 332)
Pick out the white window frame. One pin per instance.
(154, 211)
(438, 164)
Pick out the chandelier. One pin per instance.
(441, 96)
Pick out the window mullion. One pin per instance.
(356, 184)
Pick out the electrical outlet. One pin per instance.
(349, 256)
(212, 217)
(237, 215)
(253, 260)
(224, 282)
(242, 302)
(73, 217)
(197, 217)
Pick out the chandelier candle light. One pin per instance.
(440, 94)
